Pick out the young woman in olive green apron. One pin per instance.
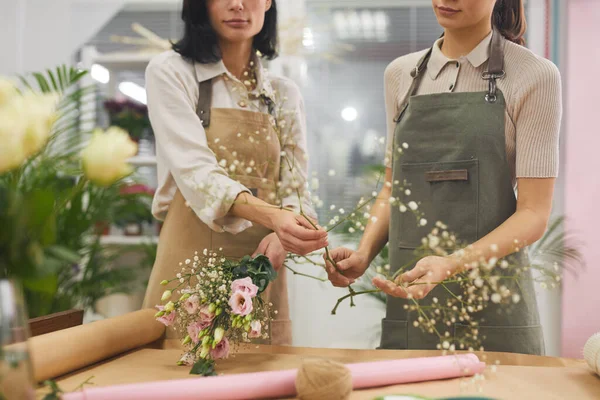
(459, 173)
(212, 106)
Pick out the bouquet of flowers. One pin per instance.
(219, 306)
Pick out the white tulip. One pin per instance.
(105, 157)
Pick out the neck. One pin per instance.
(460, 42)
(236, 56)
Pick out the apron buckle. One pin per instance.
(491, 77)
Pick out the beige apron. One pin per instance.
(183, 232)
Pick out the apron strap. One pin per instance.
(204, 102)
(495, 67)
(416, 79)
(495, 70)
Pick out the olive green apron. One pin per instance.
(183, 232)
(458, 171)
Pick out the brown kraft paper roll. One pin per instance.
(68, 350)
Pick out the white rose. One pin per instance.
(7, 91)
(40, 113)
(105, 157)
(12, 128)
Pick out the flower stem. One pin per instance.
(328, 257)
(351, 295)
(305, 275)
(86, 382)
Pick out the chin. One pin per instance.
(238, 35)
(448, 23)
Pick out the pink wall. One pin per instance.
(581, 296)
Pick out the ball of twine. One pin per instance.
(591, 353)
(323, 380)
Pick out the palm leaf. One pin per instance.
(42, 82)
(559, 248)
(55, 86)
(66, 138)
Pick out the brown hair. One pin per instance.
(509, 18)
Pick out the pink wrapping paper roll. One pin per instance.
(278, 384)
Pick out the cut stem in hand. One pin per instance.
(328, 256)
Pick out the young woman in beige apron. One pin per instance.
(481, 115)
(222, 164)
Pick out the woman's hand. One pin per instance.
(350, 266)
(418, 282)
(271, 247)
(296, 234)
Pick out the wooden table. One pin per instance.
(516, 377)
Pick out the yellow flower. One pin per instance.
(105, 157)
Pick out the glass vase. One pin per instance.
(16, 371)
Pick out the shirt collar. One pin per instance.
(205, 72)
(476, 57)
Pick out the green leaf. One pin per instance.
(62, 75)
(204, 368)
(55, 87)
(42, 82)
(64, 254)
(53, 385)
(55, 393)
(46, 284)
(25, 83)
(41, 219)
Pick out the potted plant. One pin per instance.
(133, 208)
(44, 168)
(131, 116)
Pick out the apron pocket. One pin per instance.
(509, 339)
(394, 334)
(446, 192)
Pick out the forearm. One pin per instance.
(253, 209)
(523, 228)
(376, 233)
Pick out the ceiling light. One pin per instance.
(133, 90)
(349, 114)
(100, 73)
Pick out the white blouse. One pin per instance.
(172, 86)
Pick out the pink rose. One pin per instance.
(194, 329)
(206, 315)
(240, 303)
(166, 319)
(221, 350)
(255, 328)
(244, 285)
(192, 304)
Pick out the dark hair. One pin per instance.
(200, 44)
(509, 18)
